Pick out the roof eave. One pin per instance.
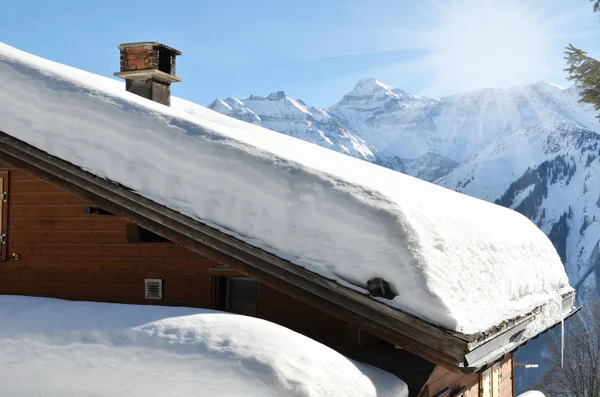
(482, 353)
(450, 349)
(439, 346)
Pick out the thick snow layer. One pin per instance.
(532, 393)
(55, 348)
(455, 261)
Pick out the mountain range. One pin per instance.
(533, 148)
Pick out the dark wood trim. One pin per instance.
(214, 295)
(415, 335)
(4, 209)
(224, 272)
(512, 372)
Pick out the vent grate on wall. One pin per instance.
(153, 288)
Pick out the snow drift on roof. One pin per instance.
(458, 262)
(55, 348)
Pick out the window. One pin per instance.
(137, 234)
(237, 295)
(3, 214)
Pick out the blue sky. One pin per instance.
(315, 49)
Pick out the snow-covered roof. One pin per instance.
(59, 348)
(455, 261)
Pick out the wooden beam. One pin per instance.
(434, 344)
(4, 186)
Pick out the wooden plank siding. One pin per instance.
(282, 309)
(507, 377)
(442, 379)
(64, 253)
(470, 391)
(3, 213)
(396, 327)
(496, 381)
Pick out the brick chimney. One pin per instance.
(149, 69)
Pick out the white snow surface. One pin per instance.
(455, 261)
(281, 113)
(55, 348)
(532, 393)
(458, 126)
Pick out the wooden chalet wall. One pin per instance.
(61, 252)
(64, 253)
(496, 381)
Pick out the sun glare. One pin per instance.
(473, 44)
(490, 42)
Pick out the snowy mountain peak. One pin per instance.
(294, 117)
(276, 96)
(233, 107)
(219, 105)
(370, 86)
(226, 104)
(533, 148)
(234, 102)
(548, 84)
(424, 137)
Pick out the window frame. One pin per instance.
(221, 285)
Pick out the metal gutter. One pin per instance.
(489, 351)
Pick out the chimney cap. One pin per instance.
(149, 44)
(145, 73)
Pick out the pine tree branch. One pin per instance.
(585, 72)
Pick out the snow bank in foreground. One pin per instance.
(455, 261)
(55, 348)
(532, 393)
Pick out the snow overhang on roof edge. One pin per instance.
(439, 346)
(467, 352)
(485, 352)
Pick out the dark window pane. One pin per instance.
(222, 293)
(137, 234)
(242, 295)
